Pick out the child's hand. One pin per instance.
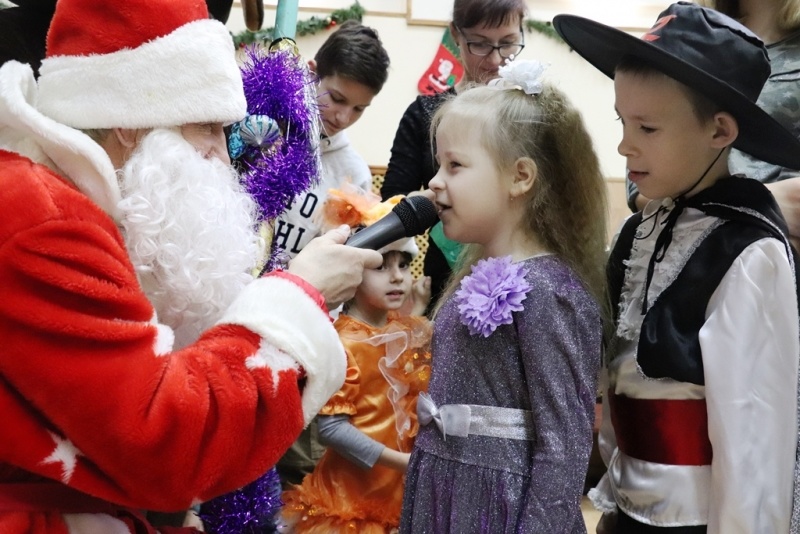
(394, 459)
(421, 295)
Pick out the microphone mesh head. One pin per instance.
(417, 214)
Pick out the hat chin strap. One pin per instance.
(664, 239)
(687, 191)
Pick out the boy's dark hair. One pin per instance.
(355, 52)
(491, 13)
(704, 108)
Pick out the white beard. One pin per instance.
(190, 230)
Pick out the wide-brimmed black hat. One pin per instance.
(706, 51)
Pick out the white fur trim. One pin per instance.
(165, 338)
(272, 358)
(188, 76)
(66, 454)
(70, 151)
(408, 245)
(287, 318)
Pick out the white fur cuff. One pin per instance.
(288, 319)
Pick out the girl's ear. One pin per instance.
(525, 171)
(726, 130)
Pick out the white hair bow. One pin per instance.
(525, 75)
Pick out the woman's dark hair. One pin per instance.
(491, 13)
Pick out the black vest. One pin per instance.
(668, 344)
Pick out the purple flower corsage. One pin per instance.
(488, 296)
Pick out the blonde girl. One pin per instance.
(506, 429)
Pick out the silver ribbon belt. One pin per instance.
(463, 420)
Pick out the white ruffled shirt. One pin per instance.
(750, 345)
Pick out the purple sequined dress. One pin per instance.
(546, 362)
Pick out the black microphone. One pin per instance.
(411, 216)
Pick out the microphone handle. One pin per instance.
(379, 234)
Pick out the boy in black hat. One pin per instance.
(700, 427)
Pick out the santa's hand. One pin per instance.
(332, 267)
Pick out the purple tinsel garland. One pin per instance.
(277, 84)
(249, 510)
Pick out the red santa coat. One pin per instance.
(91, 396)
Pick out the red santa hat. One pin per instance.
(139, 64)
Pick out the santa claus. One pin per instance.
(142, 366)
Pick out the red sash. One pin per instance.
(672, 432)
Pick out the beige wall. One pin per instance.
(412, 49)
(617, 205)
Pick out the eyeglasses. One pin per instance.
(482, 48)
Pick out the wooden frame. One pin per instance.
(392, 8)
(634, 15)
(429, 12)
(377, 169)
(623, 14)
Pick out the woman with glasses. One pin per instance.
(488, 33)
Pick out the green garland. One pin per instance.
(304, 27)
(543, 27)
(355, 12)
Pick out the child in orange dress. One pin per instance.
(369, 425)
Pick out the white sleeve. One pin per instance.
(750, 346)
